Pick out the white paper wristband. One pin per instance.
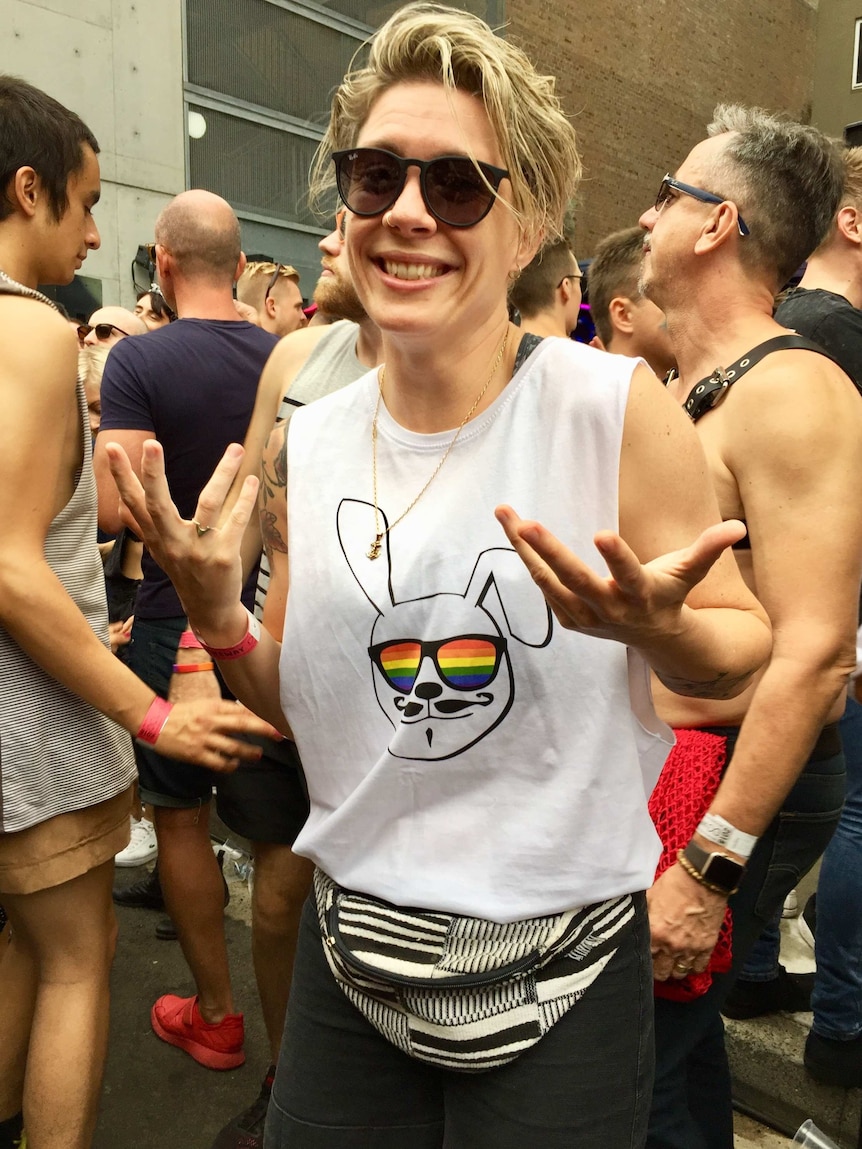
(716, 829)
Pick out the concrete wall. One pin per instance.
(836, 102)
(641, 80)
(118, 64)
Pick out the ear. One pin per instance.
(565, 291)
(620, 314)
(240, 267)
(528, 244)
(270, 306)
(164, 262)
(720, 226)
(848, 223)
(24, 189)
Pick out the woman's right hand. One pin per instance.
(201, 557)
(206, 733)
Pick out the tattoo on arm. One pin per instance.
(273, 486)
(722, 686)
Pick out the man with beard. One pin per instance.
(304, 366)
(781, 427)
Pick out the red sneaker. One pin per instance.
(178, 1021)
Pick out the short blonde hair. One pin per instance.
(433, 42)
(252, 284)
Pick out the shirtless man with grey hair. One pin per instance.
(781, 426)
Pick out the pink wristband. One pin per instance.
(154, 720)
(245, 646)
(189, 641)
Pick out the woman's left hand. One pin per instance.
(638, 603)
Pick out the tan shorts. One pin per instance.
(64, 847)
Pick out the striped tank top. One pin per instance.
(57, 753)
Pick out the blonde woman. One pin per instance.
(474, 965)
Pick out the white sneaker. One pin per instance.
(791, 905)
(143, 846)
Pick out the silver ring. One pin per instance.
(387, 220)
(201, 530)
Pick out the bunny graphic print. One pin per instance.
(442, 666)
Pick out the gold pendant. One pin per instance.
(374, 550)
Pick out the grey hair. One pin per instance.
(787, 180)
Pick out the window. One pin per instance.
(857, 61)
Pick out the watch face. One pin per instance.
(722, 871)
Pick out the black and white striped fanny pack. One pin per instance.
(459, 992)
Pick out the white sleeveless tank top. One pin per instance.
(463, 751)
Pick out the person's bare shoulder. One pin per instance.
(39, 349)
(292, 350)
(284, 364)
(793, 397)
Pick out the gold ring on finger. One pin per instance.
(201, 529)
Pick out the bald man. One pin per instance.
(192, 386)
(108, 325)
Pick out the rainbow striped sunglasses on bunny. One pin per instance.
(468, 662)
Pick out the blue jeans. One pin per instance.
(586, 1083)
(837, 996)
(691, 1106)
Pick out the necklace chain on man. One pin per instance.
(380, 535)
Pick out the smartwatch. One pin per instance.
(717, 869)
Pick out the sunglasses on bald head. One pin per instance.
(370, 180)
(103, 331)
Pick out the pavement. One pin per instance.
(770, 1080)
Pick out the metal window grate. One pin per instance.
(266, 55)
(256, 168)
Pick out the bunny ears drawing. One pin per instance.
(442, 664)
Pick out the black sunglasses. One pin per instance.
(669, 184)
(273, 281)
(571, 275)
(102, 330)
(370, 180)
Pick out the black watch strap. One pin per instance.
(715, 868)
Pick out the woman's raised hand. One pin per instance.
(201, 555)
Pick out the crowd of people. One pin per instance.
(522, 664)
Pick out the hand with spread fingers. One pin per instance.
(201, 555)
(207, 732)
(639, 604)
(685, 918)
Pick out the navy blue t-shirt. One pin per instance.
(192, 385)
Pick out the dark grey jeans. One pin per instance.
(586, 1083)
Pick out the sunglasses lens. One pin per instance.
(468, 663)
(103, 330)
(369, 180)
(456, 193)
(400, 664)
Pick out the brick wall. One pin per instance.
(641, 78)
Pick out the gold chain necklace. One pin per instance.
(379, 535)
